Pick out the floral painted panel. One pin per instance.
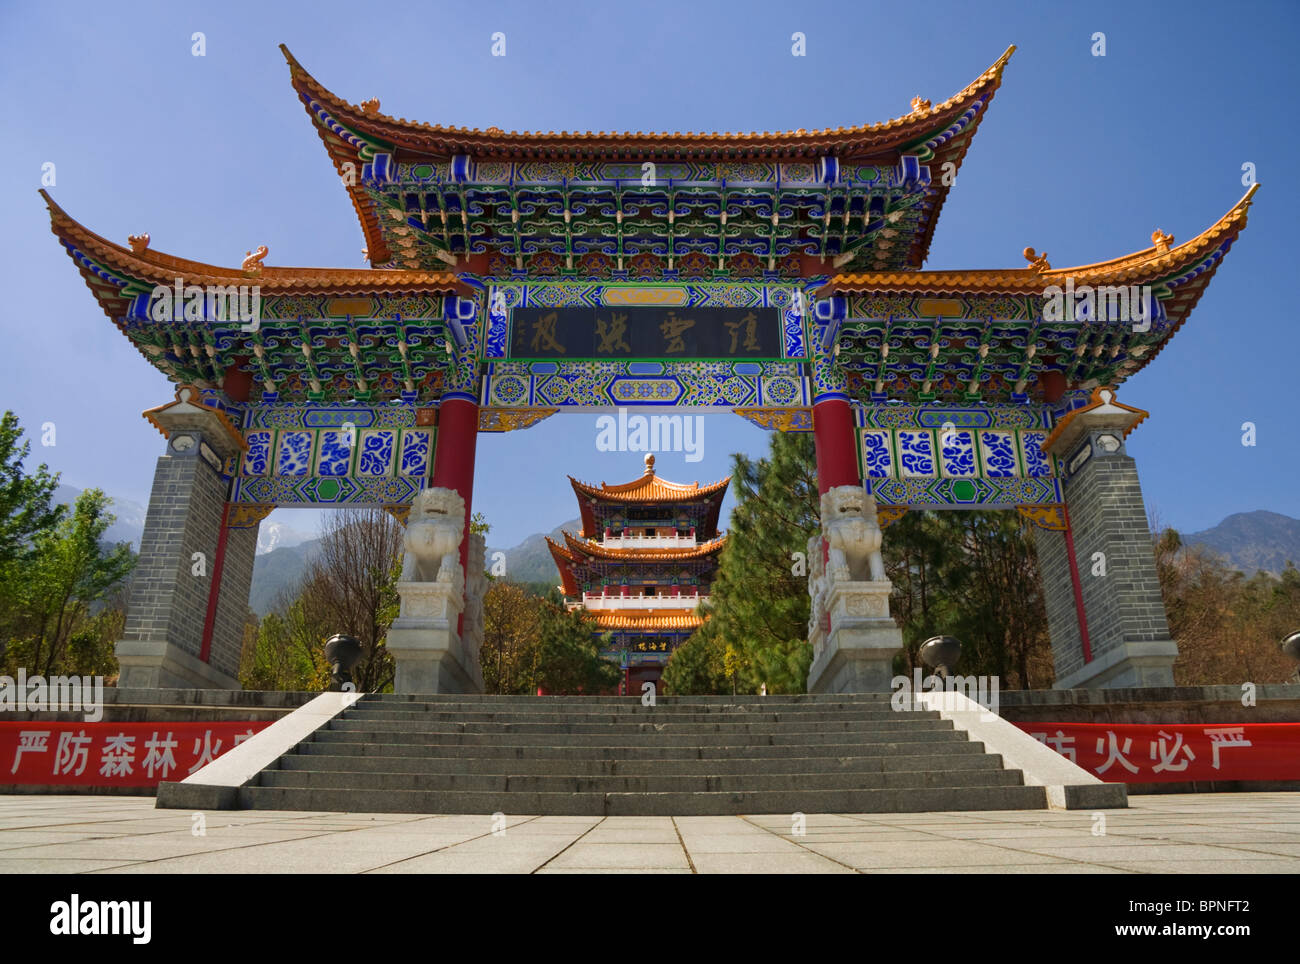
(257, 460)
(293, 453)
(1036, 463)
(877, 456)
(957, 453)
(999, 451)
(336, 447)
(416, 449)
(376, 454)
(916, 454)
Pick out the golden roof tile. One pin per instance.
(1145, 265)
(851, 141)
(595, 550)
(650, 488)
(644, 620)
(155, 267)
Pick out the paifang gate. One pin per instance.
(776, 275)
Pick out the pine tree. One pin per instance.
(70, 568)
(759, 599)
(698, 666)
(25, 508)
(568, 657)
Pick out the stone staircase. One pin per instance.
(594, 756)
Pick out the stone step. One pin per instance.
(892, 800)
(628, 709)
(579, 703)
(416, 717)
(963, 756)
(906, 743)
(615, 756)
(573, 783)
(889, 724)
(880, 732)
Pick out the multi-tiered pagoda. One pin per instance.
(642, 565)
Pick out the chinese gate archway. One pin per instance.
(776, 275)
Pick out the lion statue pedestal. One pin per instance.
(853, 636)
(430, 654)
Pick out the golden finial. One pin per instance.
(370, 107)
(919, 104)
(139, 243)
(365, 254)
(1161, 240)
(649, 464)
(252, 265)
(1037, 262)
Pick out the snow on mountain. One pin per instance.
(277, 535)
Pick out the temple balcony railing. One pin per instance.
(615, 601)
(634, 541)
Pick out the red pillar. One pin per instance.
(453, 460)
(837, 456)
(1077, 585)
(214, 591)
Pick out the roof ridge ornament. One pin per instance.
(370, 107)
(919, 104)
(252, 263)
(1161, 240)
(1037, 262)
(139, 242)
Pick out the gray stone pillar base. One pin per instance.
(423, 640)
(857, 655)
(1129, 664)
(157, 664)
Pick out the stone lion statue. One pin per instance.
(434, 531)
(849, 524)
(816, 587)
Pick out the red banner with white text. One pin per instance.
(113, 754)
(1170, 752)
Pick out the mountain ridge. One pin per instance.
(1253, 541)
(1248, 541)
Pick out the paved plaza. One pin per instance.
(1246, 833)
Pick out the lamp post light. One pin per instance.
(941, 653)
(342, 653)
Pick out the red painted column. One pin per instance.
(214, 591)
(837, 456)
(1077, 585)
(453, 460)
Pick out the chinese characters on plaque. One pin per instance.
(644, 332)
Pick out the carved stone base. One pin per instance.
(1136, 664)
(423, 640)
(158, 664)
(857, 654)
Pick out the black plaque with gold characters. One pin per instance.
(643, 332)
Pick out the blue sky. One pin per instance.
(1079, 156)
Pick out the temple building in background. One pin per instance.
(641, 566)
